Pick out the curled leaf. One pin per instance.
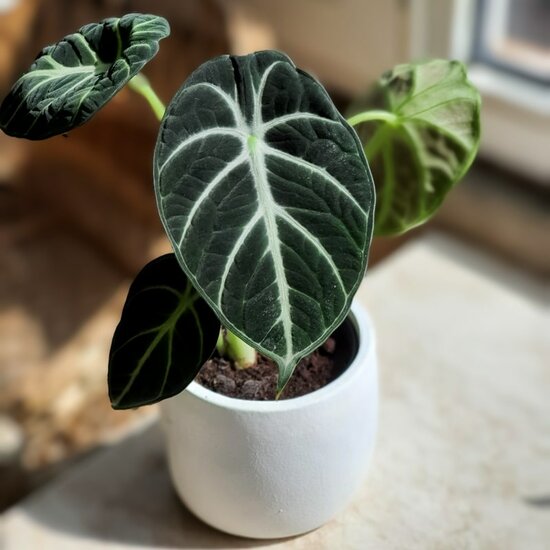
(71, 80)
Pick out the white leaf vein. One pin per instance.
(206, 191)
(203, 134)
(283, 214)
(235, 250)
(266, 201)
(230, 102)
(257, 121)
(316, 170)
(295, 117)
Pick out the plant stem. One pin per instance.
(231, 346)
(140, 84)
(376, 141)
(376, 115)
(220, 343)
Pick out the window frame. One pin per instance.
(515, 111)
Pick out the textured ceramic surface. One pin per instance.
(275, 469)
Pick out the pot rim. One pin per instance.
(365, 332)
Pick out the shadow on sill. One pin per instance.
(124, 495)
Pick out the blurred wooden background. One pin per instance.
(77, 221)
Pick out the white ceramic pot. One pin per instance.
(269, 469)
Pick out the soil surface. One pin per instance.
(258, 383)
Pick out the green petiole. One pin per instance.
(373, 116)
(141, 85)
(231, 346)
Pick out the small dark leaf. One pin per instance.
(166, 333)
(71, 80)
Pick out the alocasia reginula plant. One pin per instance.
(263, 188)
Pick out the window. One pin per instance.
(506, 44)
(514, 37)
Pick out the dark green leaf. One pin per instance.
(166, 333)
(71, 80)
(426, 142)
(267, 198)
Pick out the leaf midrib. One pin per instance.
(265, 198)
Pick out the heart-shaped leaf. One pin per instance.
(267, 198)
(421, 143)
(166, 333)
(71, 80)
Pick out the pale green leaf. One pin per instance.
(420, 140)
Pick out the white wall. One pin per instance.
(346, 43)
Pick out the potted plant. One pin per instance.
(267, 198)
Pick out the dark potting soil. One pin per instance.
(259, 383)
